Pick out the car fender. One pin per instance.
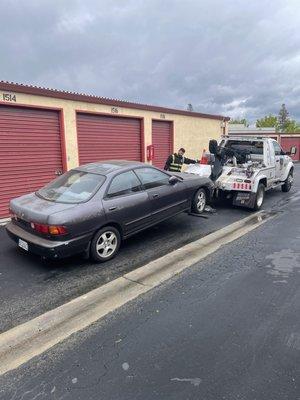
(289, 166)
(206, 184)
(258, 179)
(210, 187)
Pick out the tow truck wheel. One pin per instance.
(286, 187)
(199, 201)
(260, 196)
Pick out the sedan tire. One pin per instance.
(105, 244)
(199, 201)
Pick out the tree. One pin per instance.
(283, 118)
(268, 121)
(240, 121)
(282, 123)
(190, 107)
(292, 126)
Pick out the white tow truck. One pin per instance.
(244, 168)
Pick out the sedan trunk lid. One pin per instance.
(33, 208)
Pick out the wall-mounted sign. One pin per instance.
(114, 110)
(162, 116)
(9, 97)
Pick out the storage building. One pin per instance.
(44, 132)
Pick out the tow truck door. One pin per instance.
(269, 161)
(279, 161)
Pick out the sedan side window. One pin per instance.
(122, 184)
(151, 177)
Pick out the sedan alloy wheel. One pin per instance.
(105, 244)
(199, 201)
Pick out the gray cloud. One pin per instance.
(233, 57)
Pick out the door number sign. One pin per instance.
(9, 97)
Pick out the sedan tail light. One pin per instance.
(54, 230)
(57, 230)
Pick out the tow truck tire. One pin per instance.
(199, 201)
(105, 244)
(286, 187)
(260, 197)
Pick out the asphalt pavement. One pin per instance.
(30, 286)
(227, 328)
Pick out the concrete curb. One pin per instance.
(20, 344)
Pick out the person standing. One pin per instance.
(175, 161)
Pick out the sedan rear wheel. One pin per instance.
(199, 202)
(105, 244)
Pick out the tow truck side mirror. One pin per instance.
(293, 150)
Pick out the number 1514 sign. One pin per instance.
(9, 97)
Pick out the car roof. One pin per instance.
(109, 166)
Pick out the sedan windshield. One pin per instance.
(72, 187)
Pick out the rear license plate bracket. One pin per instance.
(242, 196)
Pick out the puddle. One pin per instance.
(283, 263)
(262, 216)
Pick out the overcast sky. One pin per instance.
(234, 57)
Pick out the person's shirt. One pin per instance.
(177, 159)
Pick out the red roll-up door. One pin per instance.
(288, 142)
(162, 140)
(108, 138)
(30, 151)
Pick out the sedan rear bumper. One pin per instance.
(48, 248)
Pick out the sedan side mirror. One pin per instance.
(173, 180)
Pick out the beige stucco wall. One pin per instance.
(190, 132)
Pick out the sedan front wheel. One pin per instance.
(105, 244)
(199, 202)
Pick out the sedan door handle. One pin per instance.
(155, 196)
(112, 208)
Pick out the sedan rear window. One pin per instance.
(72, 187)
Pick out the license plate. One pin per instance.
(23, 244)
(243, 196)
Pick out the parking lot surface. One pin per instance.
(30, 286)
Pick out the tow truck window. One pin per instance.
(254, 147)
(277, 148)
